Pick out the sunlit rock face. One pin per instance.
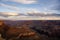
(32, 30)
(23, 33)
(18, 33)
(1, 25)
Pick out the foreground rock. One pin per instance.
(17, 33)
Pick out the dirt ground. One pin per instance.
(1, 38)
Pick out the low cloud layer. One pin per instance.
(14, 16)
(8, 14)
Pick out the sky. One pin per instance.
(24, 6)
(29, 5)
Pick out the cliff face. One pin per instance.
(18, 33)
(31, 30)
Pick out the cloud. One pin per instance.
(11, 16)
(14, 17)
(23, 1)
(7, 14)
(33, 10)
(55, 6)
(11, 7)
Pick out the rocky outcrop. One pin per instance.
(18, 33)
